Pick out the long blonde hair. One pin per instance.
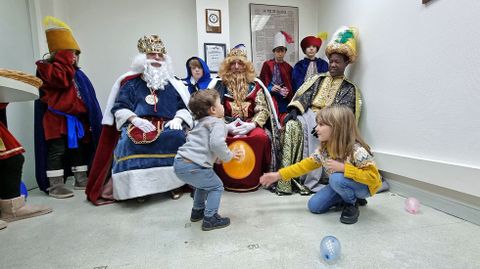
(345, 132)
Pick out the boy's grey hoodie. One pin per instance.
(206, 142)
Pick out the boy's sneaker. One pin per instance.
(214, 222)
(197, 215)
(350, 214)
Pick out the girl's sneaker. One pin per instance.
(214, 222)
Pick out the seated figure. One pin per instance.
(148, 107)
(198, 75)
(251, 118)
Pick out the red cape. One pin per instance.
(101, 171)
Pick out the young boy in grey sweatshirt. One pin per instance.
(195, 159)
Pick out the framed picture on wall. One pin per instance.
(214, 55)
(265, 22)
(213, 19)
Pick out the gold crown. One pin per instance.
(235, 52)
(151, 44)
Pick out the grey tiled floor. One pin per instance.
(267, 231)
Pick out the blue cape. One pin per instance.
(203, 82)
(300, 69)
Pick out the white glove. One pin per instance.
(245, 128)
(143, 124)
(232, 126)
(175, 124)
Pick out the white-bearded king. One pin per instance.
(148, 106)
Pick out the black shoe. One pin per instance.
(362, 202)
(350, 214)
(197, 215)
(281, 193)
(214, 222)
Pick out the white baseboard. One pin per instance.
(457, 177)
(451, 202)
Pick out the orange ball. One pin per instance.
(239, 169)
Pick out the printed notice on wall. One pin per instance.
(265, 22)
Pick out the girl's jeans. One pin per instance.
(338, 189)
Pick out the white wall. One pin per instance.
(202, 35)
(418, 71)
(16, 52)
(240, 20)
(107, 32)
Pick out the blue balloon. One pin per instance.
(23, 189)
(330, 248)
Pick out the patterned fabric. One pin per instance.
(348, 94)
(327, 92)
(292, 151)
(361, 157)
(312, 70)
(261, 109)
(276, 77)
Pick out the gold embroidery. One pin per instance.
(242, 112)
(2, 145)
(261, 109)
(327, 92)
(133, 133)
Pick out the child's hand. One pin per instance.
(276, 88)
(335, 166)
(269, 178)
(284, 92)
(218, 161)
(238, 154)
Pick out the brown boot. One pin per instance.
(57, 188)
(81, 180)
(16, 209)
(3, 224)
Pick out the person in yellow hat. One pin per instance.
(316, 93)
(251, 117)
(67, 116)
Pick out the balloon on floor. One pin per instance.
(330, 248)
(412, 205)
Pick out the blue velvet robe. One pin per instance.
(131, 156)
(300, 69)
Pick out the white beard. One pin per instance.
(156, 77)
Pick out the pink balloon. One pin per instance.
(412, 205)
